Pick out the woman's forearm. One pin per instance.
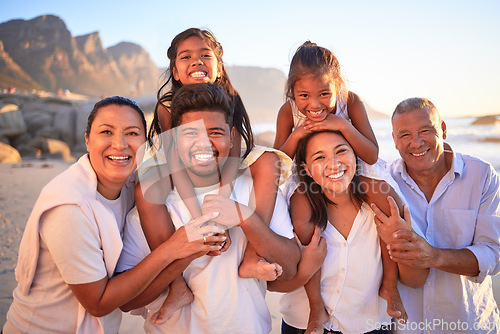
(158, 285)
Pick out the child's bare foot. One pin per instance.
(395, 307)
(177, 298)
(160, 316)
(316, 321)
(315, 327)
(262, 270)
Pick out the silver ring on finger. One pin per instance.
(204, 239)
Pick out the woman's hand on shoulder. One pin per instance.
(387, 225)
(313, 254)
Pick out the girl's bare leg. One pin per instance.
(389, 288)
(265, 172)
(377, 192)
(318, 314)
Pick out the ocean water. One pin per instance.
(462, 136)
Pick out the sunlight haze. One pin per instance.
(447, 51)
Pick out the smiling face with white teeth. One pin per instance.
(419, 137)
(115, 135)
(331, 163)
(203, 140)
(195, 62)
(315, 96)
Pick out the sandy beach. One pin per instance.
(20, 185)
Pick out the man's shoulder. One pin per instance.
(472, 165)
(473, 161)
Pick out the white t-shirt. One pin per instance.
(70, 253)
(223, 302)
(351, 276)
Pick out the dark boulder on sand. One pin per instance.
(8, 154)
(11, 120)
(486, 120)
(495, 140)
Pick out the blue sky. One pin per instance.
(447, 51)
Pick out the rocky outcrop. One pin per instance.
(11, 74)
(51, 58)
(49, 126)
(53, 148)
(8, 154)
(45, 49)
(494, 140)
(104, 74)
(11, 120)
(486, 120)
(261, 89)
(137, 67)
(42, 126)
(374, 114)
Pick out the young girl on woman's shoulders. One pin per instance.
(318, 100)
(196, 57)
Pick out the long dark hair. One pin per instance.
(314, 193)
(164, 99)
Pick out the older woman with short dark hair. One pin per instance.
(73, 237)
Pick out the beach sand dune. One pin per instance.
(20, 185)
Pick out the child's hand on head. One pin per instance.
(301, 131)
(331, 122)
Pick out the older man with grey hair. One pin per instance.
(454, 201)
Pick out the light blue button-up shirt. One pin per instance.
(464, 212)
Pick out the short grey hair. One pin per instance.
(414, 103)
